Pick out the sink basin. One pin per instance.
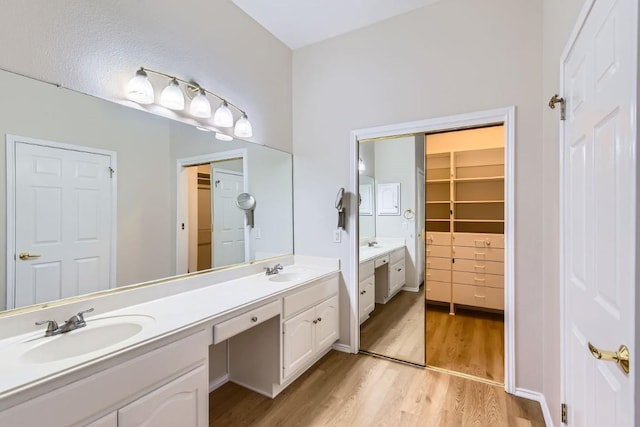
(288, 277)
(97, 335)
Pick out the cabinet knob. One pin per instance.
(254, 319)
(319, 319)
(315, 321)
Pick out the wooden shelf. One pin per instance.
(431, 181)
(479, 220)
(480, 179)
(477, 201)
(438, 220)
(429, 202)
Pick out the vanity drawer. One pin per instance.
(366, 269)
(478, 266)
(479, 254)
(438, 275)
(310, 296)
(438, 263)
(397, 255)
(438, 251)
(478, 240)
(248, 320)
(438, 291)
(478, 296)
(478, 279)
(381, 261)
(440, 239)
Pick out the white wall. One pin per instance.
(451, 57)
(559, 17)
(95, 47)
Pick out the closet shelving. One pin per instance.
(464, 227)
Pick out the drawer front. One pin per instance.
(438, 275)
(438, 251)
(397, 255)
(478, 254)
(478, 296)
(478, 266)
(397, 276)
(478, 240)
(312, 295)
(248, 320)
(438, 263)
(438, 291)
(478, 279)
(381, 261)
(366, 269)
(440, 239)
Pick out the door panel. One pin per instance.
(228, 219)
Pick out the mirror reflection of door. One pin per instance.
(216, 231)
(391, 300)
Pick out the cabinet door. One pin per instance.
(367, 296)
(327, 323)
(396, 276)
(182, 402)
(298, 340)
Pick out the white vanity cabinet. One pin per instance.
(166, 386)
(366, 290)
(310, 325)
(389, 279)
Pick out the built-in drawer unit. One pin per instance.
(478, 240)
(379, 262)
(480, 266)
(478, 254)
(478, 279)
(438, 291)
(438, 251)
(318, 292)
(242, 322)
(438, 263)
(440, 239)
(438, 275)
(478, 296)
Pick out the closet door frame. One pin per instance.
(505, 116)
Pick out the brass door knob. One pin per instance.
(620, 357)
(25, 256)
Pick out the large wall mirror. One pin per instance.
(98, 196)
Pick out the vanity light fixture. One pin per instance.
(361, 166)
(141, 91)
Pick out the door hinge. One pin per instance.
(111, 171)
(557, 99)
(563, 416)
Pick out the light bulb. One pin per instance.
(172, 97)
(200, 106)
(223, 137)
(139, 88)
(223, 116)
(243, 127)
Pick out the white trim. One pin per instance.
(11, 141)
(342, 348)
(538, 397)
(500, 115)
(216, 383)
(182, 256)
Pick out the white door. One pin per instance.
(228, 218)
(63, 221)
(599, 214)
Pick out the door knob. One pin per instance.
(621, 357)
(27, 256)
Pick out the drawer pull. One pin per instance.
(319, 319)
(480, 254)
(475, 279)
(399, 269)
(254, 319)
(484, 267)
(483, 242)
(315, 321)
(479, 296)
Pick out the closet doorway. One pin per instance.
(466, 232)
(464, 246)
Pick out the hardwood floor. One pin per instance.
(357, 390)
(471, 342)
(396, 329)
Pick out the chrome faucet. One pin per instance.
(372, 243)
(74, 322)
(273, 270)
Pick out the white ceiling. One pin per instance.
(298, 23)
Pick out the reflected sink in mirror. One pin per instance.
(97, 335)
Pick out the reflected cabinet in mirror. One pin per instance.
(100, 196)
(391, 273)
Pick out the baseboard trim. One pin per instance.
(218, 382)
(410, 289)
(343, 348)
(538, 397)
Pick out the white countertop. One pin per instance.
(368, 253)
(169, 315)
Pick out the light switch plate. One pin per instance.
(337, 236)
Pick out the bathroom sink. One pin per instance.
(288, 277)
(97, 335)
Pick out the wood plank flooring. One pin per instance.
(358, 390)
(396, 329)
(471, 342)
